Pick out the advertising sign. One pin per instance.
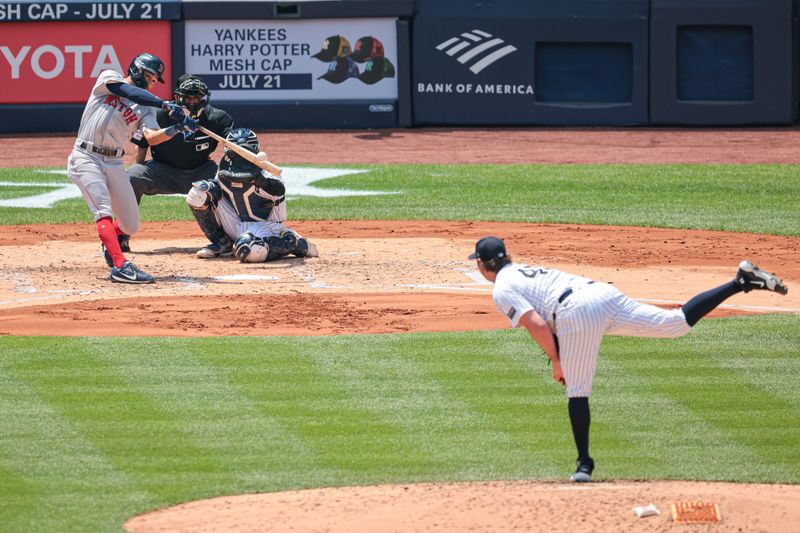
(76, 10)
(333, 59)
(486, 68)
(42, 62)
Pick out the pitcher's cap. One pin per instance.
(489, 248)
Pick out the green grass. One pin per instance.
(95, 430)
(720, 197)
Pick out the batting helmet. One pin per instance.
(191, 87)
(144, 62)
(250, 249)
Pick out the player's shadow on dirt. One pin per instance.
(174, 250)
(169, 251)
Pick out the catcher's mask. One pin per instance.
(192, 93)
(147, 62)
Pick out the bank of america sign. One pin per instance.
(476, 49)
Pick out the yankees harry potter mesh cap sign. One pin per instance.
(489, 248)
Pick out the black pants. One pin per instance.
(158, 178)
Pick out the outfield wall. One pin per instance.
(403, 63)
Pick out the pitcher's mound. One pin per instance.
(493, 506)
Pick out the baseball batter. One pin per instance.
(568, 316)
(242, 210)
(117, 107)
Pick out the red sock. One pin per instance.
(105, 228)
(116, 229)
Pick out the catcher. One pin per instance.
(243, 209)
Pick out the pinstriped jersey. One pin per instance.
(519, 288)
(109, 120)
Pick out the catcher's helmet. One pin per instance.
(190, 85)
(244, 137)
(144, 62)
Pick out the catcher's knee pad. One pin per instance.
(250, 249)
(204, 194)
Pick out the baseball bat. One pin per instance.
(267, 165)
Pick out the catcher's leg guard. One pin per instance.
(298, 245)
(209, 225)
(278, 248)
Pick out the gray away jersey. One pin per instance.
(519, 288)
(110, 120)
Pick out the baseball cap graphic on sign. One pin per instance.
(489, 248)
(367, 48)
(377, 69)
(334, 46)
(340, 69)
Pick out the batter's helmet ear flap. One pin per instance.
(144, 62)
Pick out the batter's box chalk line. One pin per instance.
(695, 512)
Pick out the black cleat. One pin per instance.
(130, 273)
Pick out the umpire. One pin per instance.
(177, 163)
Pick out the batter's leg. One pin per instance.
(89, 174)
(123, 199)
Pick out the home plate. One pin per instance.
(243, 277)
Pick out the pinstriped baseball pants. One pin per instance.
(599, 309)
